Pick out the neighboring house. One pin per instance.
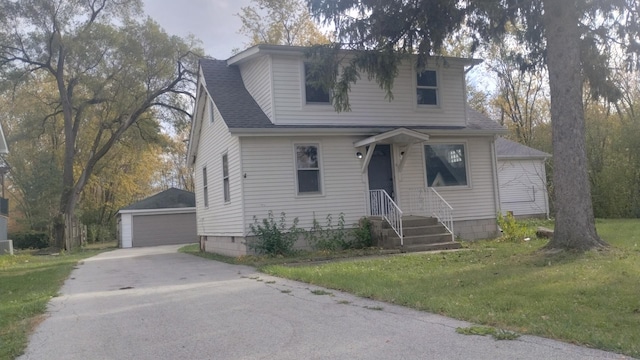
(166, 218)
(263, 139)
(522, 179)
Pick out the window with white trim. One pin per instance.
(314, 93)
(427, 87)
(225, 178)
(205, 187)
(308, 169)
(446, 165)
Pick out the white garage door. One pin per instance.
(166, 229)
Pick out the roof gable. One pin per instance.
(507, 149)
(169, 199)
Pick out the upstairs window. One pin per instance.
(205, 187)
(307, 169)
(211, 111)
(314, 94)
(427, 88)
(225, 178)
(446, 165)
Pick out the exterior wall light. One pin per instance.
(359, 155)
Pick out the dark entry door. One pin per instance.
(381, 170)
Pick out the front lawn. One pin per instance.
(27, 283)
(591, 299)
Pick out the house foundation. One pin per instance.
(476, 229)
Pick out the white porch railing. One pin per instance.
(381, 204)
(429, 202)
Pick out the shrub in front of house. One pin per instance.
(30, 240)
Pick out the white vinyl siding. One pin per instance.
(522, 187)
(126, 227)
(219, 218)
(368, 103)
(474, 202)
(256, 75)
(270, 183)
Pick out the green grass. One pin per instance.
(591, 299)
(27, 283)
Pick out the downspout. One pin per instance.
(496, 188)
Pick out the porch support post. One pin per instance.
(367, 157)
(403, 158)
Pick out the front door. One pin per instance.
(381, 170)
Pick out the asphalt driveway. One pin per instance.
(155, 303)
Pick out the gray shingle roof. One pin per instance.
(511, 149)
(169, 199)
(240, 110)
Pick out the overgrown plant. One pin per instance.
(330, 237)
(362, 234)
(274, 238)
(512, 230)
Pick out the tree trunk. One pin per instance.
(575, 224)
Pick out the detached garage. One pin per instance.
(166, 218)
(522, 179)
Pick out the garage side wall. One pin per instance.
(523, 187)
(125, 231)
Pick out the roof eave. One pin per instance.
(263, 49)
(354, 131)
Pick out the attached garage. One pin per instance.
(166, 218)
(522, 179)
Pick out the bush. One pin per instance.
(273, 238)
(30, 240)
(329, 238)
(362, 234)
(512, 230)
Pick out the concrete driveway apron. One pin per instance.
(155, 303)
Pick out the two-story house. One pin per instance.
(263, 139)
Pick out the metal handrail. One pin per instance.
(381, 204)
(430, 202)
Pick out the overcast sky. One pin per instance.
(212, 21)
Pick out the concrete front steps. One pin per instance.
(420, 234)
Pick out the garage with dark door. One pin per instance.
(166, 218)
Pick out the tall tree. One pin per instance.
(110, 69)
(570, 36)
(280, 22)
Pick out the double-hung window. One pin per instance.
(446, 165)
(225, 178)
(427, 88)
(205, 187)
(314, 93)
(308, 169)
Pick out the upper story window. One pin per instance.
(211, 110)
(446, 165)
(314, 94)
(308, 169)
(427, 87)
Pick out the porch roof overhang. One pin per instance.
(401, 136)
(396, 136)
